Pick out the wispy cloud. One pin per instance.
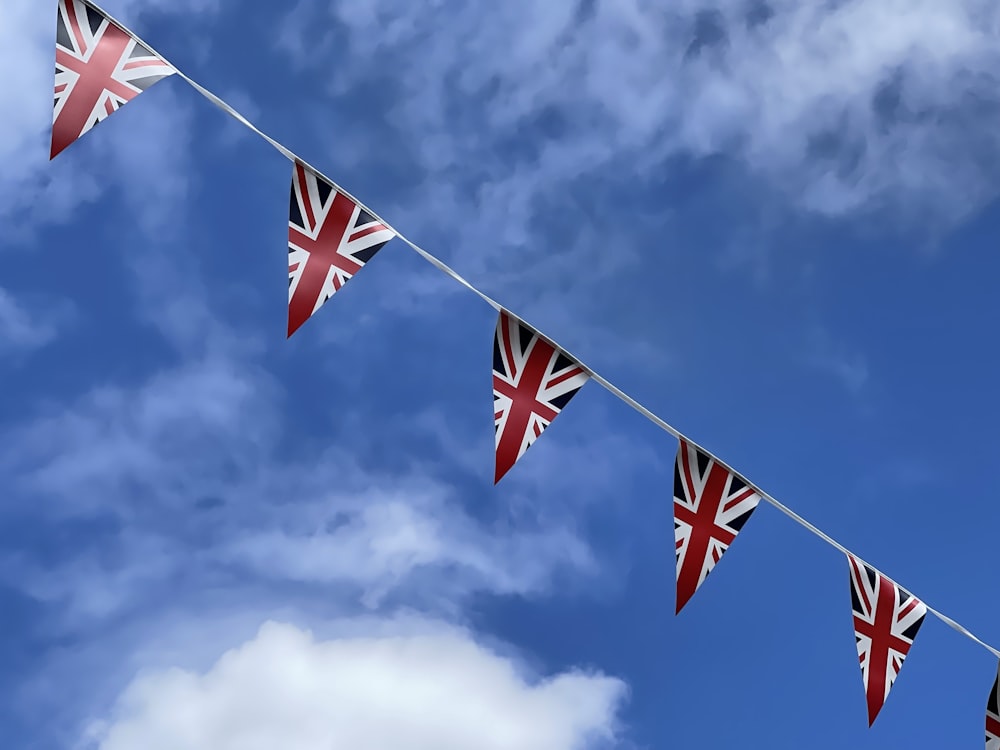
(843, 106)
(187, 474)
(384, 542)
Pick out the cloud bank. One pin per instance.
(433, 690)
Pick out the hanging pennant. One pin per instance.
(532, 382)
(993, 716)
(886, 620)
(99, 67)
(330, 238)
(711, 505)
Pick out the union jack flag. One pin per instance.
(993, 717)
(532, 382)
(330, 238)
(711, 505)
(99, 67)
(886, 620)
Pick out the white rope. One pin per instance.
(604, 382)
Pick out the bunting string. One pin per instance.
(857, 563)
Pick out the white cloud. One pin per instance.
(845, 105)
(436, 689)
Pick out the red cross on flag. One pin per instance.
(711, 505)
(886, 620)
(99, 68)
(532, 382)
(330, 238)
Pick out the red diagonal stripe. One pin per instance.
(686, 471)
(992, 725)
(909, 607)
(860, 581)
(146, 62)
(74, 26)
(748, 492)
(305, 200)
(370, 229)
(505, 326)
(564, 377)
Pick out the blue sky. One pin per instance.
(769, 222)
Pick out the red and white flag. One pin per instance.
(886, 620)
(532, 382)
(330, 238)
(993, 716)
(99, 67)
(711, 505)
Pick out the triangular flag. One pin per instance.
(711, 505)
(99, 67)
(330, 238)
(532, 382)
(886, 620)
(993, 716)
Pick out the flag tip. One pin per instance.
(681, 603)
